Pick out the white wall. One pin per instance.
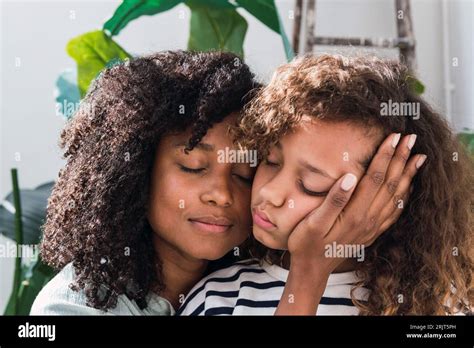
(461, 48)
(37, 32)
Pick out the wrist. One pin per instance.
(303, 267)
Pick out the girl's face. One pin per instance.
(197, 205)
(300, 170)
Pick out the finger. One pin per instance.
(394, 173)
(371, 182)
(388, 222)
(324, 217)
(390, 216)
(404, 184)
(394, 209)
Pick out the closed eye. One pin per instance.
(311, 193)
(244, 179)
(270, 163)
(191, 170)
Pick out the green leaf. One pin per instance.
(67, 93)
(290, 54)
(18, 237)
(466, 137)
(33, 206)
(132, 9)
(34, 276)
(266, 12)
(92, 52)
(222, 4)
(30, 277)
(216, 29)
(415, 85)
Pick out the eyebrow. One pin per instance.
(316, 170)
(201, 146)
(364, 163)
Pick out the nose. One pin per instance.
(218, 193)
(273, 192)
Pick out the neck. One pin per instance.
(347, 265)
(180, 272)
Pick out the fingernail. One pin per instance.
(395, 140)
(348, 182)
(411, 141)
(420, 161)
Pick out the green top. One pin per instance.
(56, 298)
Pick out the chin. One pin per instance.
(211, 252)
(269, 240)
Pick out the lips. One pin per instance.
(261, 219)
(213, 224)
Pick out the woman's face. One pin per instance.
(198, 205)
(300, 170)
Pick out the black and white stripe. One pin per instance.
(248, 288)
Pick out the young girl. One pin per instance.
(321, 117)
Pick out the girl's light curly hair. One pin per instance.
(428, 252)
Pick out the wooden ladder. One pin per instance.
(405, 41)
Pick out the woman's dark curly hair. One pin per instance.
(96, 215)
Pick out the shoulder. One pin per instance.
(57, 298)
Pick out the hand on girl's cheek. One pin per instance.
(300, 170)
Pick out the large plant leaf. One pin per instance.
(209, 28)
(132, 9)
(67, 94)
(30, 276)
(216, 28)
(33, 205)
(266, 12)
(92, 52)
(218, 4)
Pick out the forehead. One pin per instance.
(336, 146)
(216, 136)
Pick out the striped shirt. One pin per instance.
(250, 288)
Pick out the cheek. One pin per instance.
(242, 198)
(169, 196)
(298, 208)
(262, 177)
(288, 217)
